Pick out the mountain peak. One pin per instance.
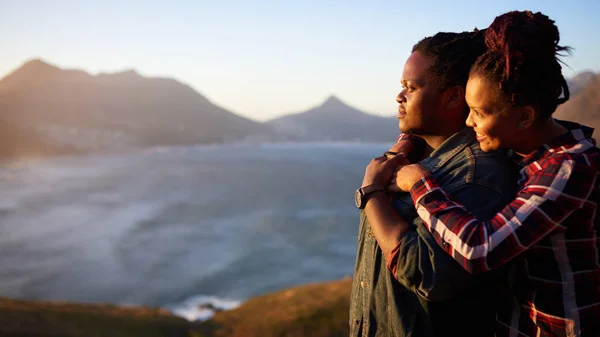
(127, 74)
(29, 72)
(333, 102)
(37, 64)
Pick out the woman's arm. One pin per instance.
(551, 194)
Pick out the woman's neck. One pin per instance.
(539, 135)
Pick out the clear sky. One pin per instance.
(261, 59)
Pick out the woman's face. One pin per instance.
(491, 115)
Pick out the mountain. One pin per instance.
(72, 108)
(17, 141)
(580, 81)
(336, 121)
(584, 106)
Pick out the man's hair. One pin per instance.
(453, 54)
(522, 57)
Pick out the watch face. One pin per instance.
(358, 198)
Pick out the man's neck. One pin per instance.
(434, 141)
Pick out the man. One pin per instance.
(404, 283)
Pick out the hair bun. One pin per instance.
(523, 35)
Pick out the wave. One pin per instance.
(202, 307)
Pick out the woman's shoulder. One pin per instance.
(584, 152)
(571, 165)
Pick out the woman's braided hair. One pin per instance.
(522, 57)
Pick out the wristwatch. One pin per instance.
(360, 196)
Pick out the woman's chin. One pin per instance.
(486, 147)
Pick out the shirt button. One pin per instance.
(445, 244)
(357, 322)
(364, 284)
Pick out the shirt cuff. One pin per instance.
(423, 187)
(404, 136)
(392, 257)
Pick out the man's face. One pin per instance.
(419, 101)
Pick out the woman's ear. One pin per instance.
(527, 118)
(454, 97)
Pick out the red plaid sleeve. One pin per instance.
(551, 192)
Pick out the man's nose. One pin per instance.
(400, 98)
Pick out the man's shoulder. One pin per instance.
(474, 166)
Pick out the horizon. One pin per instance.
(264, 61)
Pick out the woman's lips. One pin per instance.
(480, 136)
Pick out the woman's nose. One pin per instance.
(469, 121)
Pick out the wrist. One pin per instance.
(362, 195)
(375, 195)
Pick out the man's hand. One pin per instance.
(381, 169)
(406, 176)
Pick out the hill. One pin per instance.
(72, 108)
(316, 310)
(584, 106)
(334, 120)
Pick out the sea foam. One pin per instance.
(201, 307)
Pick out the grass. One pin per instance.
(316, 310)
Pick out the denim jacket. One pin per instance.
(431, 295)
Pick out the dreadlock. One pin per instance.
(522, 57)
(453, 54)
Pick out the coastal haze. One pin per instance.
(162, 226)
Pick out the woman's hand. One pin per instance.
(381, 169)
(403, 146)
(406, 176)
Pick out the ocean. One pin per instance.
(189, 229)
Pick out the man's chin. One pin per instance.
(404, 128)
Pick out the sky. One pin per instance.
(263, 59)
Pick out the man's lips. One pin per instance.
(401, 112)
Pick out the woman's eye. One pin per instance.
(477, 113)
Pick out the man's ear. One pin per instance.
(528, 116)
(453, 97)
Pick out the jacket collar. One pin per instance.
(449, 149)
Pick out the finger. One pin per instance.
(377, 160)
(404, 145)
(393, 188)
(398, 160)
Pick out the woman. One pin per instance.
(549, 229)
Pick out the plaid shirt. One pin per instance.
(548, 230)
